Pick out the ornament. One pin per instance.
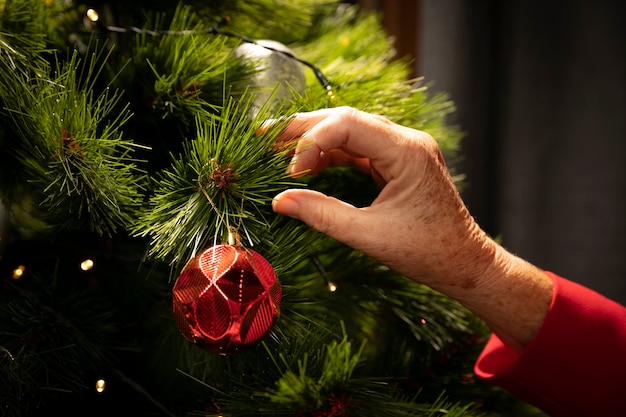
(277, 69)
(226, 299)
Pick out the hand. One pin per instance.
(418, 224)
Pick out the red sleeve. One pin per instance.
(575, 365)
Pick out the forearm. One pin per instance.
(512, 296)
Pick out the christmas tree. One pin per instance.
(143, 270)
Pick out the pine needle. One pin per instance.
(225, 178)
(72, 149)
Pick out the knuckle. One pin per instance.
(429, 145)
(347, 114)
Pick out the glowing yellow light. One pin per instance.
(18, 272)
(330, 94)
(92, 15)
(332, 287)
(86, 265)
(345, 41)
(100, 385)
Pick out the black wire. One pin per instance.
(215, 30)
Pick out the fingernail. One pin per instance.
(290, 170)
(265, 125)
(292, 164)
(285, 205)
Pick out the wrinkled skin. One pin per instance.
(418, 225)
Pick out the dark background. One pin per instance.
(540, 89)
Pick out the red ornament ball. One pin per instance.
(226, 299)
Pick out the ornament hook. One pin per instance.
(233, 236)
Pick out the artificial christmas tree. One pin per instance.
(131, 145)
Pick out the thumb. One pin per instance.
(328, 215)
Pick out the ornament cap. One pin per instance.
(233, 236)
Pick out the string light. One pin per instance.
(19, 272)
(86, 265)
(100, 385)
(92, 15)
(216, 30)
(332, 287)
(5, 350)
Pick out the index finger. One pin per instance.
(359, 134)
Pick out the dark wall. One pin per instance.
(540, 88)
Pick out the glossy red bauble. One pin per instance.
(226, 299)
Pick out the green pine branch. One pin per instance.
(303, 388)
(225, 178)
(50, 342)
(356, 55)
(24, 17)
(289, 20)
(175, 69)
(311, 372)
(79, 168)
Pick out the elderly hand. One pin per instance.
(418, 224)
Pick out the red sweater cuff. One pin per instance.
(575, 365)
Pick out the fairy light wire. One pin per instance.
(216, 30)
(332, 287)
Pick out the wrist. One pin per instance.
(513, 297)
